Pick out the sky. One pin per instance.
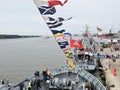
(22, 16)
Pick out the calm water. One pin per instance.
(19, 58)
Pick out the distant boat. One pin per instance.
(45, 37)
(107, 36)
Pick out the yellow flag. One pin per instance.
(68, 54)
(59, 35)
(99, 29)
(70, 63)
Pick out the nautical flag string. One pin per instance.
(53, 23)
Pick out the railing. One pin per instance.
(84, 74)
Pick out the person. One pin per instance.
(37, 74)
(21, 86)
(29, 85)
(109, 65)
(45, 75)
(3, 81)
(86, 59)
(37, 83)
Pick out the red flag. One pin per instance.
(75, 43)
(50, 3)
(56, 2)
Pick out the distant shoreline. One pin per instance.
(4, 36)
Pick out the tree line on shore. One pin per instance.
(4, 36)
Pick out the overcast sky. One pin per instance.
(23, 17)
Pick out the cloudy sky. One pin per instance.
(23, 17)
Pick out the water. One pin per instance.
(19, 58)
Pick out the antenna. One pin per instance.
(111, 29)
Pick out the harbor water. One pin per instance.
(19, 58)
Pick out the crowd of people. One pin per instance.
(113, 47)
(116, 46)
(36, 83)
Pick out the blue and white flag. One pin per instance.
(60, 19)
(46, 10)
(63, 44)
(57, 31)
(54, 24)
